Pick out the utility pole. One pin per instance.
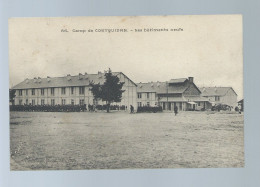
(167, 95)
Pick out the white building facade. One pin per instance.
(70, 90)
(220, 95)
(182, 93)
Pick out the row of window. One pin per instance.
(63, 91)
(139, 95)
(63, 102)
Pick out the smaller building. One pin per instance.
(182, 93)
(220, 95)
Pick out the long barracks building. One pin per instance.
(69, 90)
(75, 90)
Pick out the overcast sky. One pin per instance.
(209, 48)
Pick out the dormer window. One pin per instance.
(80, 76)
(68, 77)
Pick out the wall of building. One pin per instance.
(128, 96)
(230, 98)
(147, 98)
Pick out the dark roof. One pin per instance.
(215, 91)
(85, 80)
(161, 87)
(151, 87)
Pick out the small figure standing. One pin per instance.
(132, 108)
(175, 110)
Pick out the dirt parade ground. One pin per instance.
(119, 140)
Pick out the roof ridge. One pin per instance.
(67, 75)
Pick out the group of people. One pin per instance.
(48, 108)
(73, 108)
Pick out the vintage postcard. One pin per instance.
(126, 92)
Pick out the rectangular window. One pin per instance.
(81, 102)
(63, 91)
(81, 90)
(198, 103)
(52, 91)
(20, 92)
(217, 98)
(53, 102)
(33, 91)
(20, 102)
(72, 101)
(148, 95)
(63, 102)
(42, 101)
(148, 103)
(139, 104)
(42, 91)
(139, 95)
(26, 101)
(26, 92)
(72, 90)
(33, 101)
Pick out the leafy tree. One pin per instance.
(11, 96)
(111, 91)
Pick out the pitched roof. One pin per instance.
(151, 87)
(161, 87)
(215, 91)
(85, 80)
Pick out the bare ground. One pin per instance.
(61, 141)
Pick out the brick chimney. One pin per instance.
(191, 79)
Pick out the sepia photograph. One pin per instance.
(119, 92)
